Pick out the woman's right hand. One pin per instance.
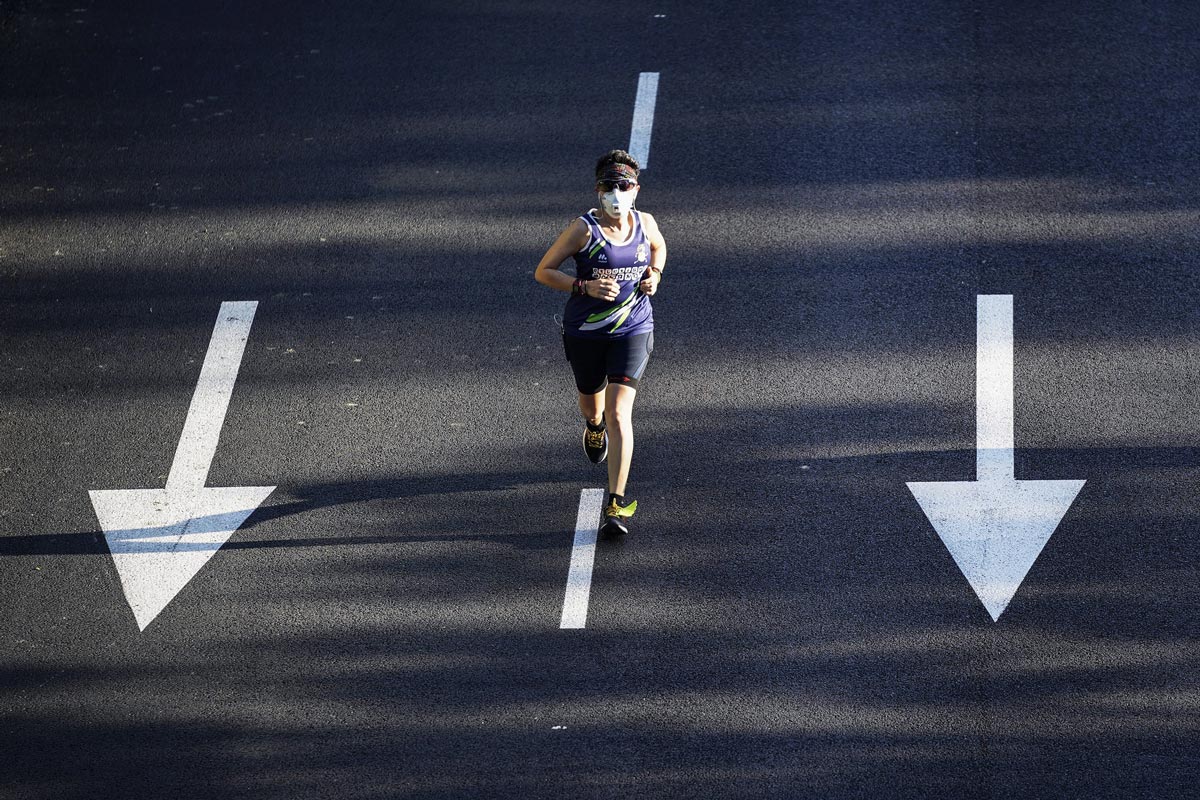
(603, 288)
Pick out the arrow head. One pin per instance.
(160, 539)
(995, 530)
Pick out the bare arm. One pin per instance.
(570, 242)
(658, 254)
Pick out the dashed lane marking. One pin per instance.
(643, 118)
(583, 554)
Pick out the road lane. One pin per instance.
(782, 622)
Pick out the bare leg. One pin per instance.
(592, 406)
(618, 413)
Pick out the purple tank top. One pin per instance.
(630, 313)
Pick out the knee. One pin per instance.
(618, 416)
(591, 404)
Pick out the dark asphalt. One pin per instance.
(836, 183)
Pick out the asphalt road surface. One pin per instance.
(837, 183)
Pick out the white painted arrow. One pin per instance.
(995, 526)
(160, 538)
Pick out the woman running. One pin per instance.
(608, 325)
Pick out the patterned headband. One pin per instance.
(616, 172)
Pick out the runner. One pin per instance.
(608, 326)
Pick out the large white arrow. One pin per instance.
(160, 538)
(995, 526)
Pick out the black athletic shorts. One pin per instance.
(596, 362)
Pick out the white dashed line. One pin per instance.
(583, 553)
(643, 118)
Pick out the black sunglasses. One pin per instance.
(621, 185)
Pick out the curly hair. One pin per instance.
(616, 157)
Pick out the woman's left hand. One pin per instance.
(649, 285)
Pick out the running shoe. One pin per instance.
(615, 516)
(595, 442)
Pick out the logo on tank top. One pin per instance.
(603, 258)
(642, 253)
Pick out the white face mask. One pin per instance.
(617, 203)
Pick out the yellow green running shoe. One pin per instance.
(615, 515)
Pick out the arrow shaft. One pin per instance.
(994, 437)
(206, 415)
